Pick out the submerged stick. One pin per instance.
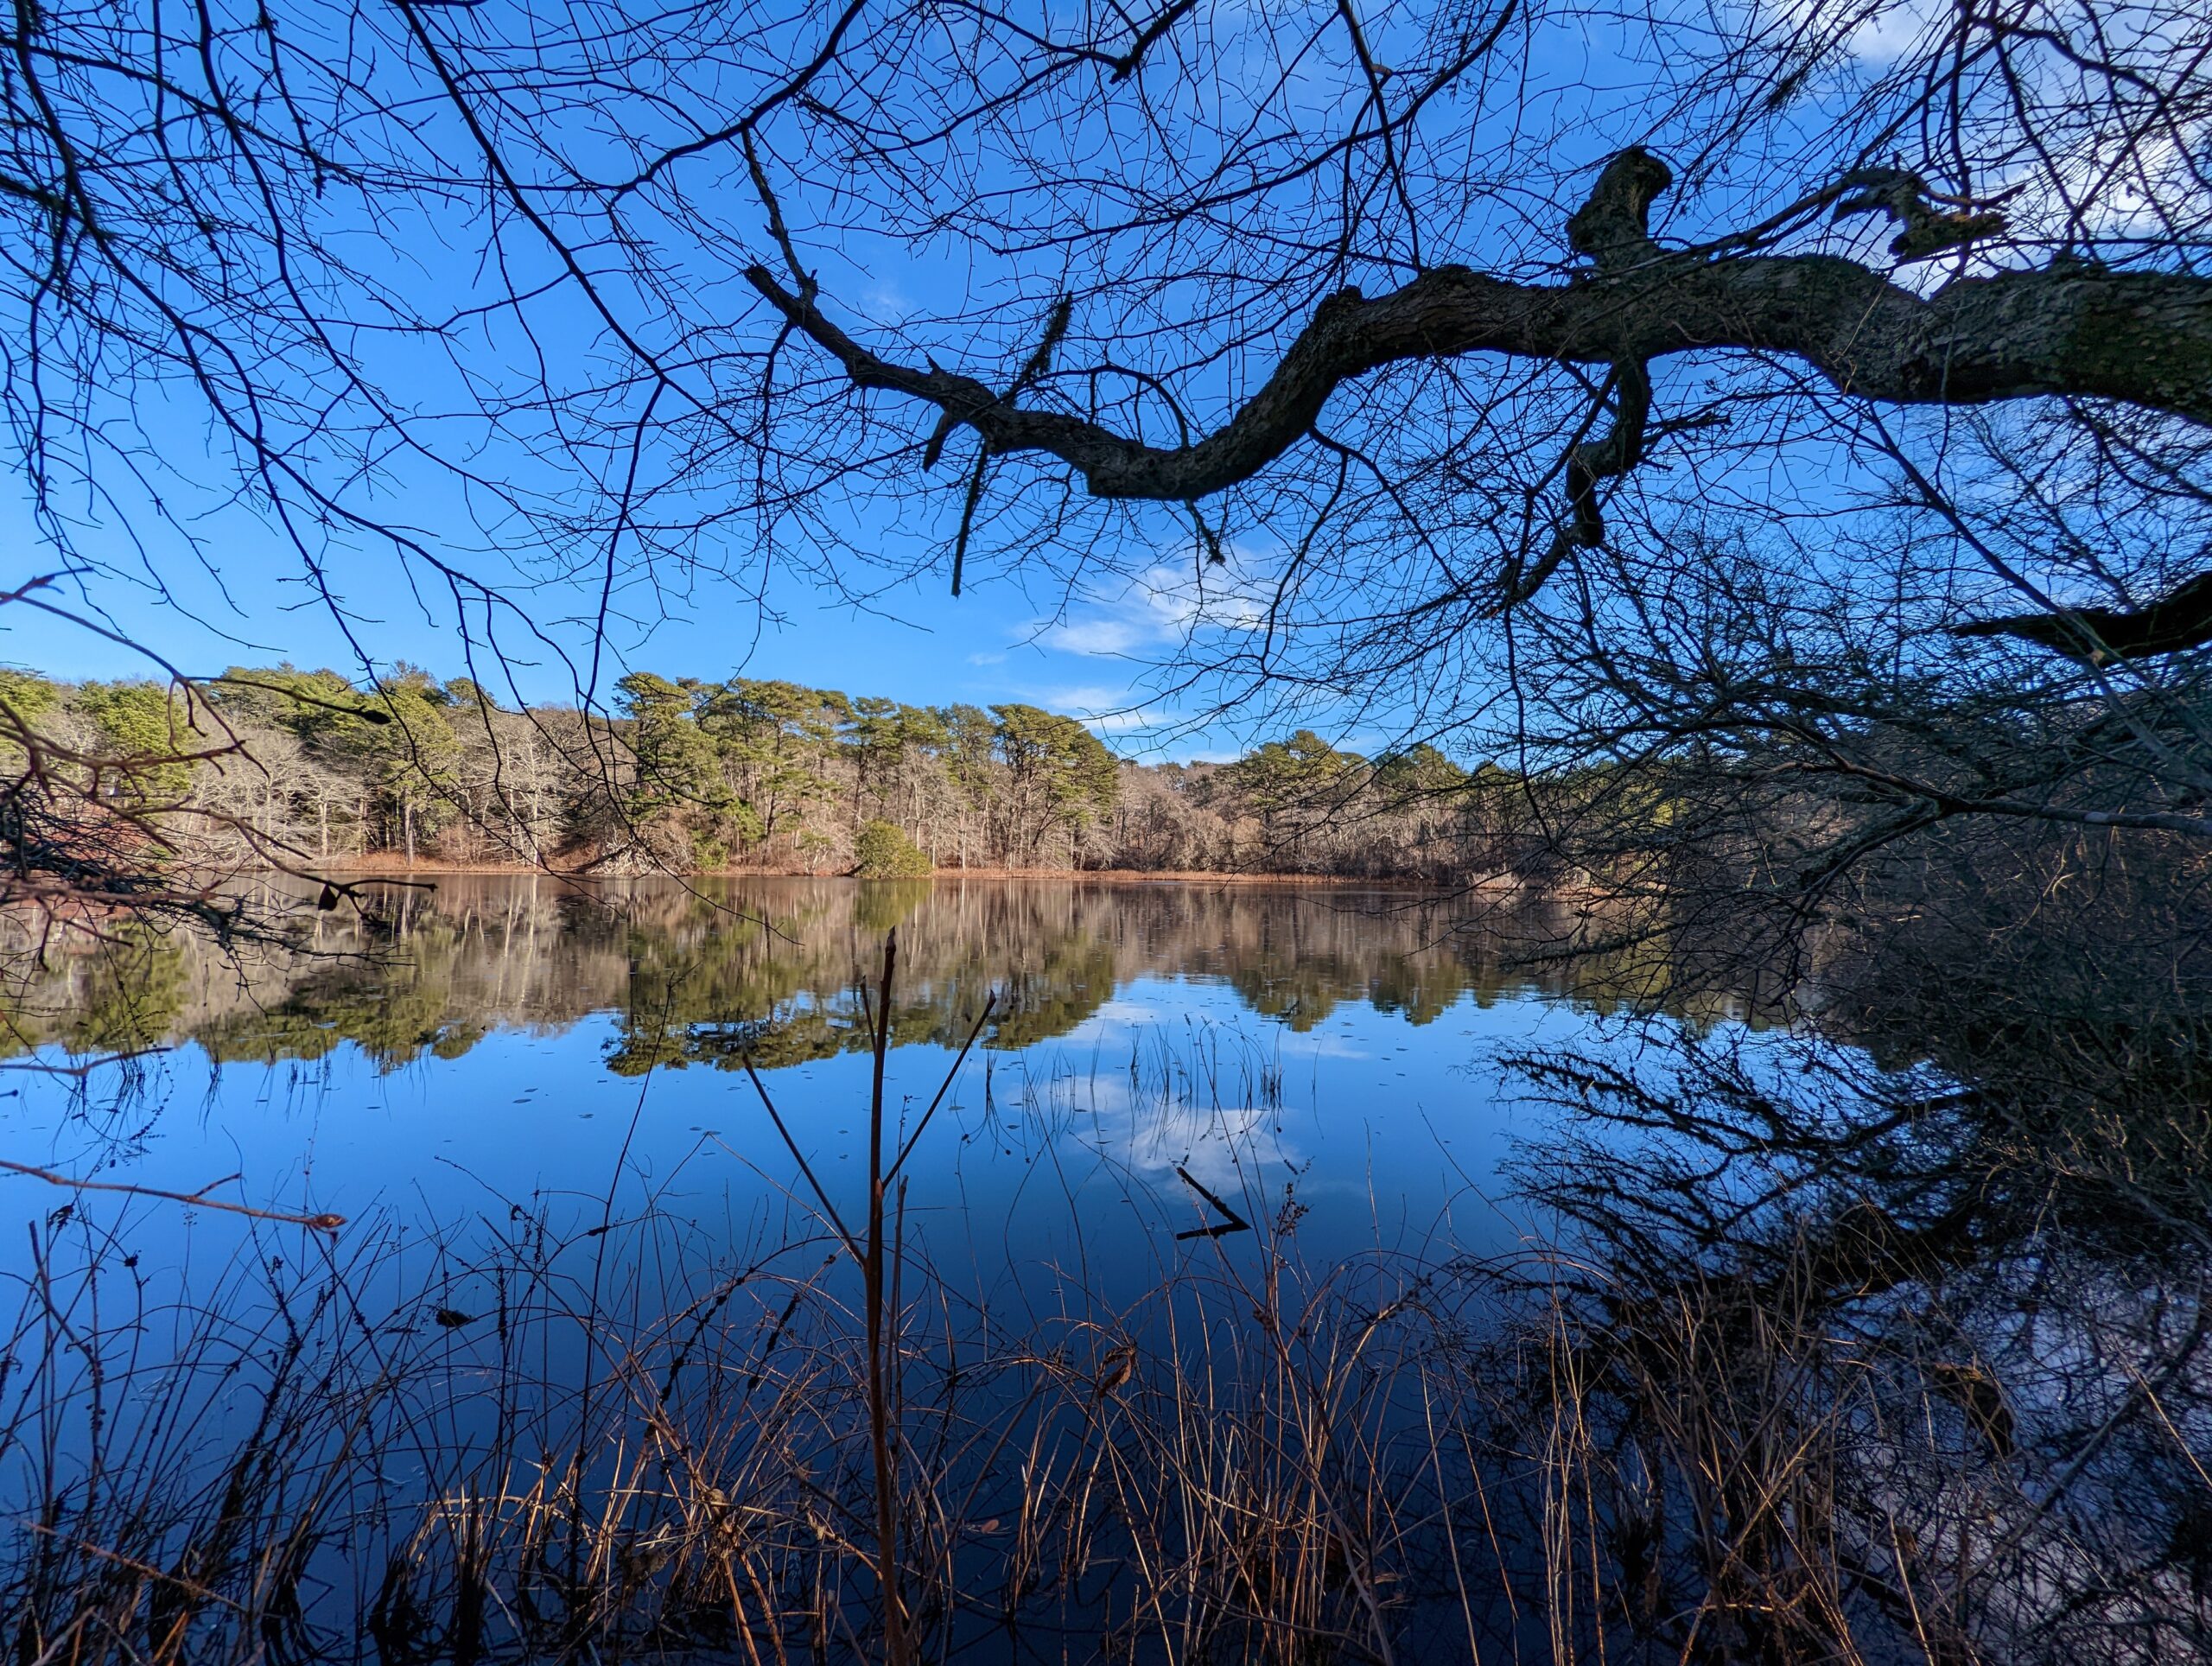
(199, 1199)
(1235, 1223)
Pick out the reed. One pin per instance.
(1863, 1403)
(629, 1438)
(1817, 1369)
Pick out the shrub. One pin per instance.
(884, 852)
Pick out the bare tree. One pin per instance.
(1441, 345)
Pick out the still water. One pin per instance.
(493, 1044)
(1220, 1317)
(1185, 1226)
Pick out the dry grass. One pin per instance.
(628, 1439)
(1225, 1470)
(1828, 1379)
(1811, 1377)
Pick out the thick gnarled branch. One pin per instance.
(2175, 622)
(2143, 339)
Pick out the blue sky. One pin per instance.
(206, 583)
(1001, 641)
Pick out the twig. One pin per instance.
(145, 1569)
(80, 1072)
(1235, 1223)
(199, 1199)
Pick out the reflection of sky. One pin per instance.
(1388, 1134)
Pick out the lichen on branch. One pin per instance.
(2143, 339)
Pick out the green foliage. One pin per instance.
(29, 695)
(27, 702)
(774, 741)
(1299, 771)
(690, 774)
(413, 758)
(682, 756)
(676, 761)
(321, 708)
(463, 692)
(144, 728)
(884, 852)
(885, 904)
(133, 718)
(133, 991)
(1060, 776)
(1417, 772)
(395, 739)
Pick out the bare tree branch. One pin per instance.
(2144, 338)
(2175, 622)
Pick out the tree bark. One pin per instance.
(2172, 624)
(2144, 338)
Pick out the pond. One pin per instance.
(506, 1042)
(1260, 1273)
(550, 1115)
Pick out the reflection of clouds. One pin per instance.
(1116, 1011)
(1148, 1134)
(1319, 1044)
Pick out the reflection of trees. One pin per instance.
(1907, 1363)
(129, 997)
(696, 975)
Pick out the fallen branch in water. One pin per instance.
(199, 1198)
(1235, 1222)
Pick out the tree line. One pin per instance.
(684, 775)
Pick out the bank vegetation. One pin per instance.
(276, 766)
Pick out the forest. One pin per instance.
(277, 766)
(1703, 514)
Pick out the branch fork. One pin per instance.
(2069, 329)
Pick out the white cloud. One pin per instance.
(1087, 697)
(1099, 637)
(1159, 609)
(1120, 723)
(1885, 34)
(2117, 190)
(1101, 710)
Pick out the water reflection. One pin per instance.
(1821, 1353)
(1915, 1362)
(699, 976)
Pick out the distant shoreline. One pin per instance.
(382, 868)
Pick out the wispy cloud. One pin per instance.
(1158, 610)
(1103, 711)
(1101, 637)
(1883, 35)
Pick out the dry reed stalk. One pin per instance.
(717, 1460)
